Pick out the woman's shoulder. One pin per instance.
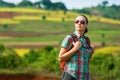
(68, 36)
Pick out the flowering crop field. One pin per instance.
(9, 21)
(45, 26)
(114, 50)
(21, 52)
(37, 14)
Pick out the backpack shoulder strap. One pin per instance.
(87, 40)
(74, 37)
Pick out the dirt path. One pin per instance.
(31, 45)
(26, 34)
(27, 77)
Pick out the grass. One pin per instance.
(49, 31)
(57, 27)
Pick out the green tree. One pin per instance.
(59, 6)
(25, 3)
(6, 4)
(46, 3)
(104, 3)
(37, 4)
(2, 48)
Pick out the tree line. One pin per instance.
(101, 10)
(43, 4)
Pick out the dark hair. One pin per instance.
(86, 29)
(85, 18)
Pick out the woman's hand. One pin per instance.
(93, 47)
(65, 54)
(77, 45)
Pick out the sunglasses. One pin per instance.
(80, 21)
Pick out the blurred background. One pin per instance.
(31, 32)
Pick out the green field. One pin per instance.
(55, 31)
(30, 25)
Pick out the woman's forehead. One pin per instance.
(80, 18)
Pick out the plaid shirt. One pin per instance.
(78, 65)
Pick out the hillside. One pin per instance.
(112, 11)
(31, 27)
(16, 15)
(101, 10)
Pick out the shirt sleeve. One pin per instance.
(67, 42)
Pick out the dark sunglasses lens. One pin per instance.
(77, 21)
(82, 22)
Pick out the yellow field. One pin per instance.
(37, 14)
(27, 18)
(108, 50)
(22, 10)
(9, 21)
(21, 52)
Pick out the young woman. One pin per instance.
(77, 58)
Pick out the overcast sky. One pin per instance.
(75, 4)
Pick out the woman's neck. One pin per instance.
(81, 33)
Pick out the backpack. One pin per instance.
(62, 64)
(74, 37)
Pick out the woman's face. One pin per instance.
(80, 23)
